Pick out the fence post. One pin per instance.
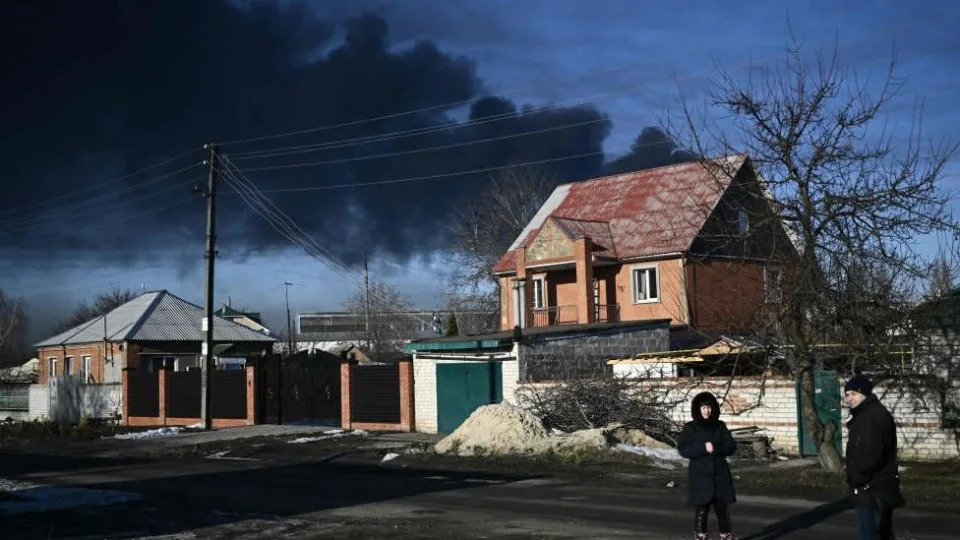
(125, 395)
(406, 395)
(162, 395)
(251, 394)
(346, 368)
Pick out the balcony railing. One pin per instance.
(607, 313)
(554, 315)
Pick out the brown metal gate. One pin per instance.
(299, 391)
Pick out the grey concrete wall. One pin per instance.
(565, 356)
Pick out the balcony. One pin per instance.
(607, 313)
(557, 315)
(554, 316)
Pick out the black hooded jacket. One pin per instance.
(872, 451)
(709, 475)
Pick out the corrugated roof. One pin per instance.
(155, 316)
(650, 212)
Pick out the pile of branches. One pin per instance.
(588, 403)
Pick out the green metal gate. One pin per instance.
(462, 388)
(827, 399)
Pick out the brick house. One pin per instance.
(696, 243)
(154, 330)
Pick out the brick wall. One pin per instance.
(772, 405)
(725, 294)
(672, 302)
(425, 390)
(77, 352)
(39, 401)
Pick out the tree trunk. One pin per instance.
(822, 435)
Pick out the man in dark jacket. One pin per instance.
(871, 460)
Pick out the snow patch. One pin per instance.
(40, 498)
(664, 454)
(330, 434)
(223, 455)
(149, 434)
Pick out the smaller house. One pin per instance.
(250, 319)
(153, 331)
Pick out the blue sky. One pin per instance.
(635, 55)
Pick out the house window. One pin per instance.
(646, 285)
(539, 294)
(743, 221)
(85, 371)
(771, 284)
(68, 366)
(161, 362)
(52, 363)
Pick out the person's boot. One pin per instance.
(726, 536)
(700, 536)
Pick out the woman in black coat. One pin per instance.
(706, 442)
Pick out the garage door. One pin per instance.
(462, 388)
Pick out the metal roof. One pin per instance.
(650, 212)
(155, 316)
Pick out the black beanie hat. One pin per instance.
(859, 383)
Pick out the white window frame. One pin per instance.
(86, 367)
(542, 280)
(644, 269)
(743, 221)
(52, 365)
(772, 295)
(68, 365)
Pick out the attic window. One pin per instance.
(743, 221)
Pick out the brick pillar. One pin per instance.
(346, 368)
(162, 395)
(583, 257)
(525, 320)
(406, 396)
(125, 394)
(251, 394)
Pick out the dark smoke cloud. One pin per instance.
(652, 148)
(95, 90)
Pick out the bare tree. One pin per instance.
(483, 229)
(385, 321)
(12, 331)
(104, 302)
(853, 193)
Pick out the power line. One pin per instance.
(448, 105)
(47, 201)
(427, 177)
(368, 139)
(283, 224)
(417, 131)
(427, 149)
(54, 219)
(121, 219)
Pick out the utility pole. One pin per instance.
(286, 287)
(366, 300)
(211, 255)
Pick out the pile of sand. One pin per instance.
(506, 429)
(496, 429)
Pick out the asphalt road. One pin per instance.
(210, 498)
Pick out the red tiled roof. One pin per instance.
(643, 213)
